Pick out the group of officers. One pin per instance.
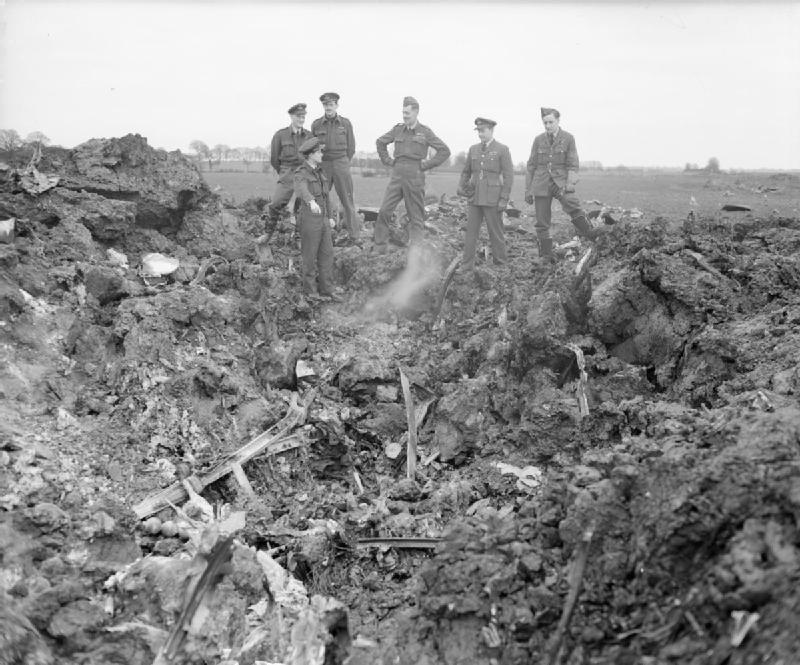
(311, 162)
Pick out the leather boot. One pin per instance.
(584, 227)
(545, 247)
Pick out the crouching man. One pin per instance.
(312, 208)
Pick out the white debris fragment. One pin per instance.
(303, 370)
(117, 258)
(528, 477)
(158, 265)
(743, 622)
(7, 227)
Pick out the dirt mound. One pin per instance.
(198, 463)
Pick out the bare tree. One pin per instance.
(10, 140)
(37, 138)
(220, 151)
(202, 150)
(246, 155)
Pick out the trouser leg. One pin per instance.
(310, 237)
(392, 196)
(543, 207)
(414, 197)
(283, 194)
(571, 205)
(325, 259)
(338, 172)
(494, 224)
(474, 219)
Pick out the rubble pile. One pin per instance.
(200, 465)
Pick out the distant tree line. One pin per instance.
(711, 167)
(224, 153)
(11, 141)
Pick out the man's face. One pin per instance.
(315, 157)
(410, 114)
(330, 108)
(298, 119)
(550, 123)
(485, 133)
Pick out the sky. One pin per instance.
(637, 83)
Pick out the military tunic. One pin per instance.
(407, 181)
(340, 145)
(487, 178)
(316, 243)
(285, 157)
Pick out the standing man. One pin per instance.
(488, 162)
(411, 142)
(553, 174)
(313, 213)
(336, 133)
(285, 158)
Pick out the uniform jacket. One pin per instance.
(310, 184)
(483, 173)
(337, 135)
(412, 144)
(285, 148)
(557, 161)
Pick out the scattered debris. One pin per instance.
(35, 183)
(273, 441)
(7, 227)
(575, 582)
(400, 543)
(529, 477)
(580, 387)
(743, 622)
(158, 265)
(411, 449)
(117, 258)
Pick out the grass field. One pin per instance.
(656, 193)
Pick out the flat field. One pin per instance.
(654, 193)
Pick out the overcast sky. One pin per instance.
(636, 83)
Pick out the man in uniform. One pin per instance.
(312, 206)
(285, 158)
(336, 133)
(488, 162)
(411, 141)
(553, 174)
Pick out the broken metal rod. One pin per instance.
(448, 278)
(275, 440)
(411, 450)
(581, 557)
(399, 543)
(215, 566)
(583, 403)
